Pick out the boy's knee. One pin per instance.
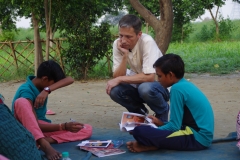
(21, 103)
(88, 130)
(139, 131)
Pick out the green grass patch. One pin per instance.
(213, 58)
(101, 70)
(16, 74)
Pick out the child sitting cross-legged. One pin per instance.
(29, 106)
(191, 123)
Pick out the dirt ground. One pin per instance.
(88, 102)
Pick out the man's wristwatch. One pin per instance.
(47, 89)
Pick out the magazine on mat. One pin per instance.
(95, 143)
(103, 152)
(130, 120)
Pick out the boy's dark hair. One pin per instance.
(130, 20)
(171, 63)
(51, 69)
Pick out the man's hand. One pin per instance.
(39, 101)
(156, 121)
(112, 83)
(73, 126)
(120, 48)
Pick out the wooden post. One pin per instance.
(59, 54)
(109, 65)
(13, 54)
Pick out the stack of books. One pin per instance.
(101, 148)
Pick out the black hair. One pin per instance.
(130, 20)
(51, 69)
(171, 63)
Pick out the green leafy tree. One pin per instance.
(27, 8)
(7, 15)
(86, 48)
(88, 42)
(209, 6)
(66, 16)
(183, 11)
(159, 15)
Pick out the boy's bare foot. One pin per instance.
(50, 140)
(50, 152)
(136, 147)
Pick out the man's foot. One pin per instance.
(134, 146)
(50, 152)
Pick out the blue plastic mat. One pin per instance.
(221, 149)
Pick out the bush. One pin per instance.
(205, 34)
(86, 47)
(7, 36)
(226, 27)
(181, 33)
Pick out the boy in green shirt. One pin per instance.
(30, 106)
(191, 124)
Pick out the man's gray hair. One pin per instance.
(131, 21)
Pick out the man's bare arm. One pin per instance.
(121, 70)
(138, 78)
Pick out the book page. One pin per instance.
(132, 117)
(128, 117)
(130, 120)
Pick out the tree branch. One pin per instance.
(145, 13)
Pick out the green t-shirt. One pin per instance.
(190, 107)
(29, 91)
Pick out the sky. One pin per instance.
(225, 10)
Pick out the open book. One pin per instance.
(130, 120)
(111, 149)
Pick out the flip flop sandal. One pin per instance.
(49, 112)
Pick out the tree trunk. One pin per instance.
(52, 32)
(51, 37)
(0, 29)
(47, 15)
(147, 28)
(37, 44)
(163, 27)
(182, 35)
(215, 21)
